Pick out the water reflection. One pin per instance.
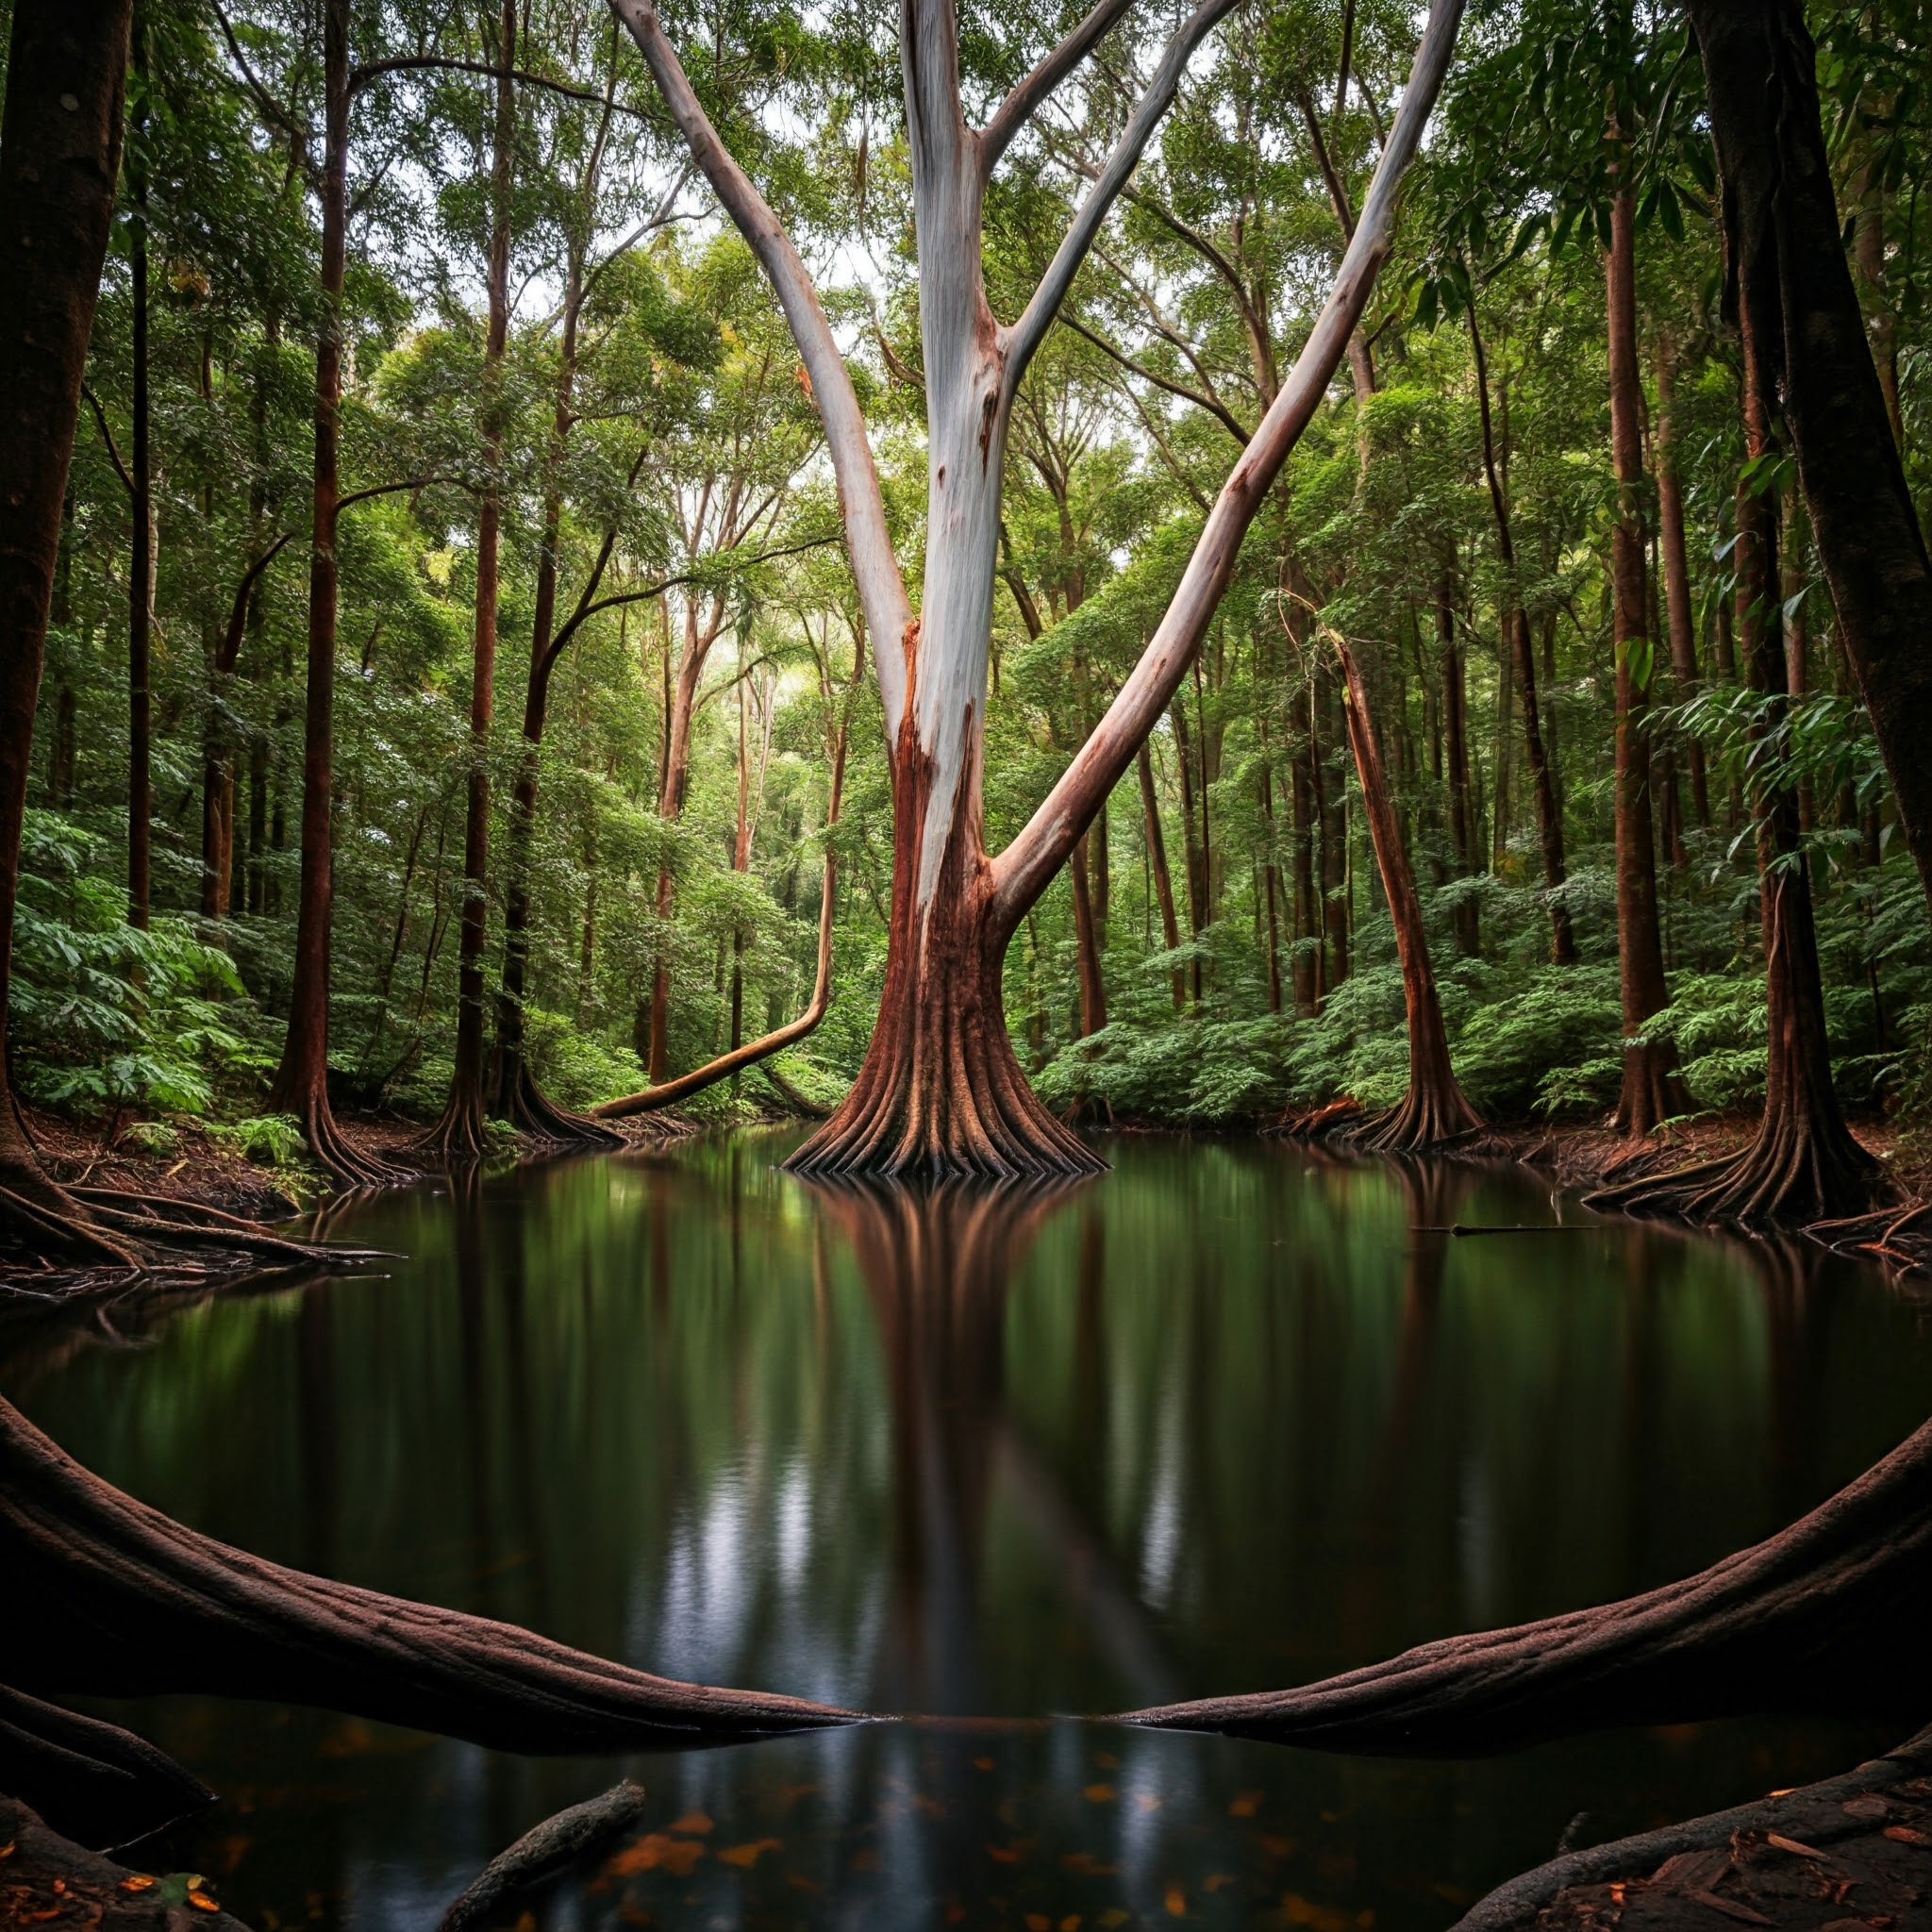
(1228, 1418)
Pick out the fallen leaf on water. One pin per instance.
(1070, 1922)
(1087, 1864)
(1176, 1903)
(1099, 1794)
(1244, 1806)
(674, 1855)
(747, 1856)
(694, 1821)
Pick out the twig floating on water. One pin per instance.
(545, 1850)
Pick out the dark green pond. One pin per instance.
(1221, 1421)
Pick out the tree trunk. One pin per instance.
(1433, 1110)
(1682, 625)
(1331, 800)
(141, 553)
(1651, 1092)
(1461, 821)
(1549, 813)
(1157, 862)
(1786, 258)
(301, 1083)
(1306, 971)
(1803, 1165)
(459, 1134)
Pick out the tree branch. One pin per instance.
(1022, 872)
(356, 496)
(1219, 411)
(868, 542)
(273, 110)
(1030, 95)
(230, 648)
(93, 403)
(1026, 334)
(360, 77)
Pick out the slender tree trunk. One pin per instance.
(1787, 256)
(1092, 986)
(1306, 971)
(1462, 821)
(1434, 1109)
(1682, 625)
(459, 1134)
(1157, 861)
(676, 778)
(1517, 647)
(1331, 796)
(141, 556)
(1650, 1095)
(301, 1082)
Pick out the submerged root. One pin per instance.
(88, 1779)
(1790, 1176)
(1828, 1616)
(1900, 1236)
(106, 1596)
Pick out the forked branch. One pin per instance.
(1032, 93)
(881, 589)
(1026, 334)
(1020, 873)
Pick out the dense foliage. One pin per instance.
(1244, 959)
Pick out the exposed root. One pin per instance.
(1901, 1236)
(1792, 1175)
(1422, 1122)
(1334, 1119)
(534, 1115)
(347, 1166)
(461, 1134)
(107, 1596)
(90, 1780)
(544, 1850)
(1827, 1616)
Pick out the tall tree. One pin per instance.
(940, 1090)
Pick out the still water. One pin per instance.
(1227, 1419)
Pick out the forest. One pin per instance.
(923, 654)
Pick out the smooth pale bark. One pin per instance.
(941, 1090)
(1651, 1092)
(1786, 257)
(1433, 1110)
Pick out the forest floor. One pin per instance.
(1851, 1853)
(46, 1880)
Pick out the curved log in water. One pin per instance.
(90, 1780)
(1827, 1616)
(107, 1596)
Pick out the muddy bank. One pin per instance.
(1842, 1855)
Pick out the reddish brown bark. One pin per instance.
(301, 1084)
(1086, 944)
(459, 1134)
(111, 1598)
(1681, 624)
(1434, 1109)
(1157, 863)
(1651, 1092)
(1455, 729)
(140, 554)
(941, 1091)
(1804, 1164)
(1521, 657)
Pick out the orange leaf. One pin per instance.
(675, 1854)
(1099, 1794)
(695, 1823)
(141, 1881)
(1176, 1903)
(202, 1903)
(748, 1856)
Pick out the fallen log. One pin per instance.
(1828, 1616)
(90, 1780)
(107, 1596)
(544, 1850)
